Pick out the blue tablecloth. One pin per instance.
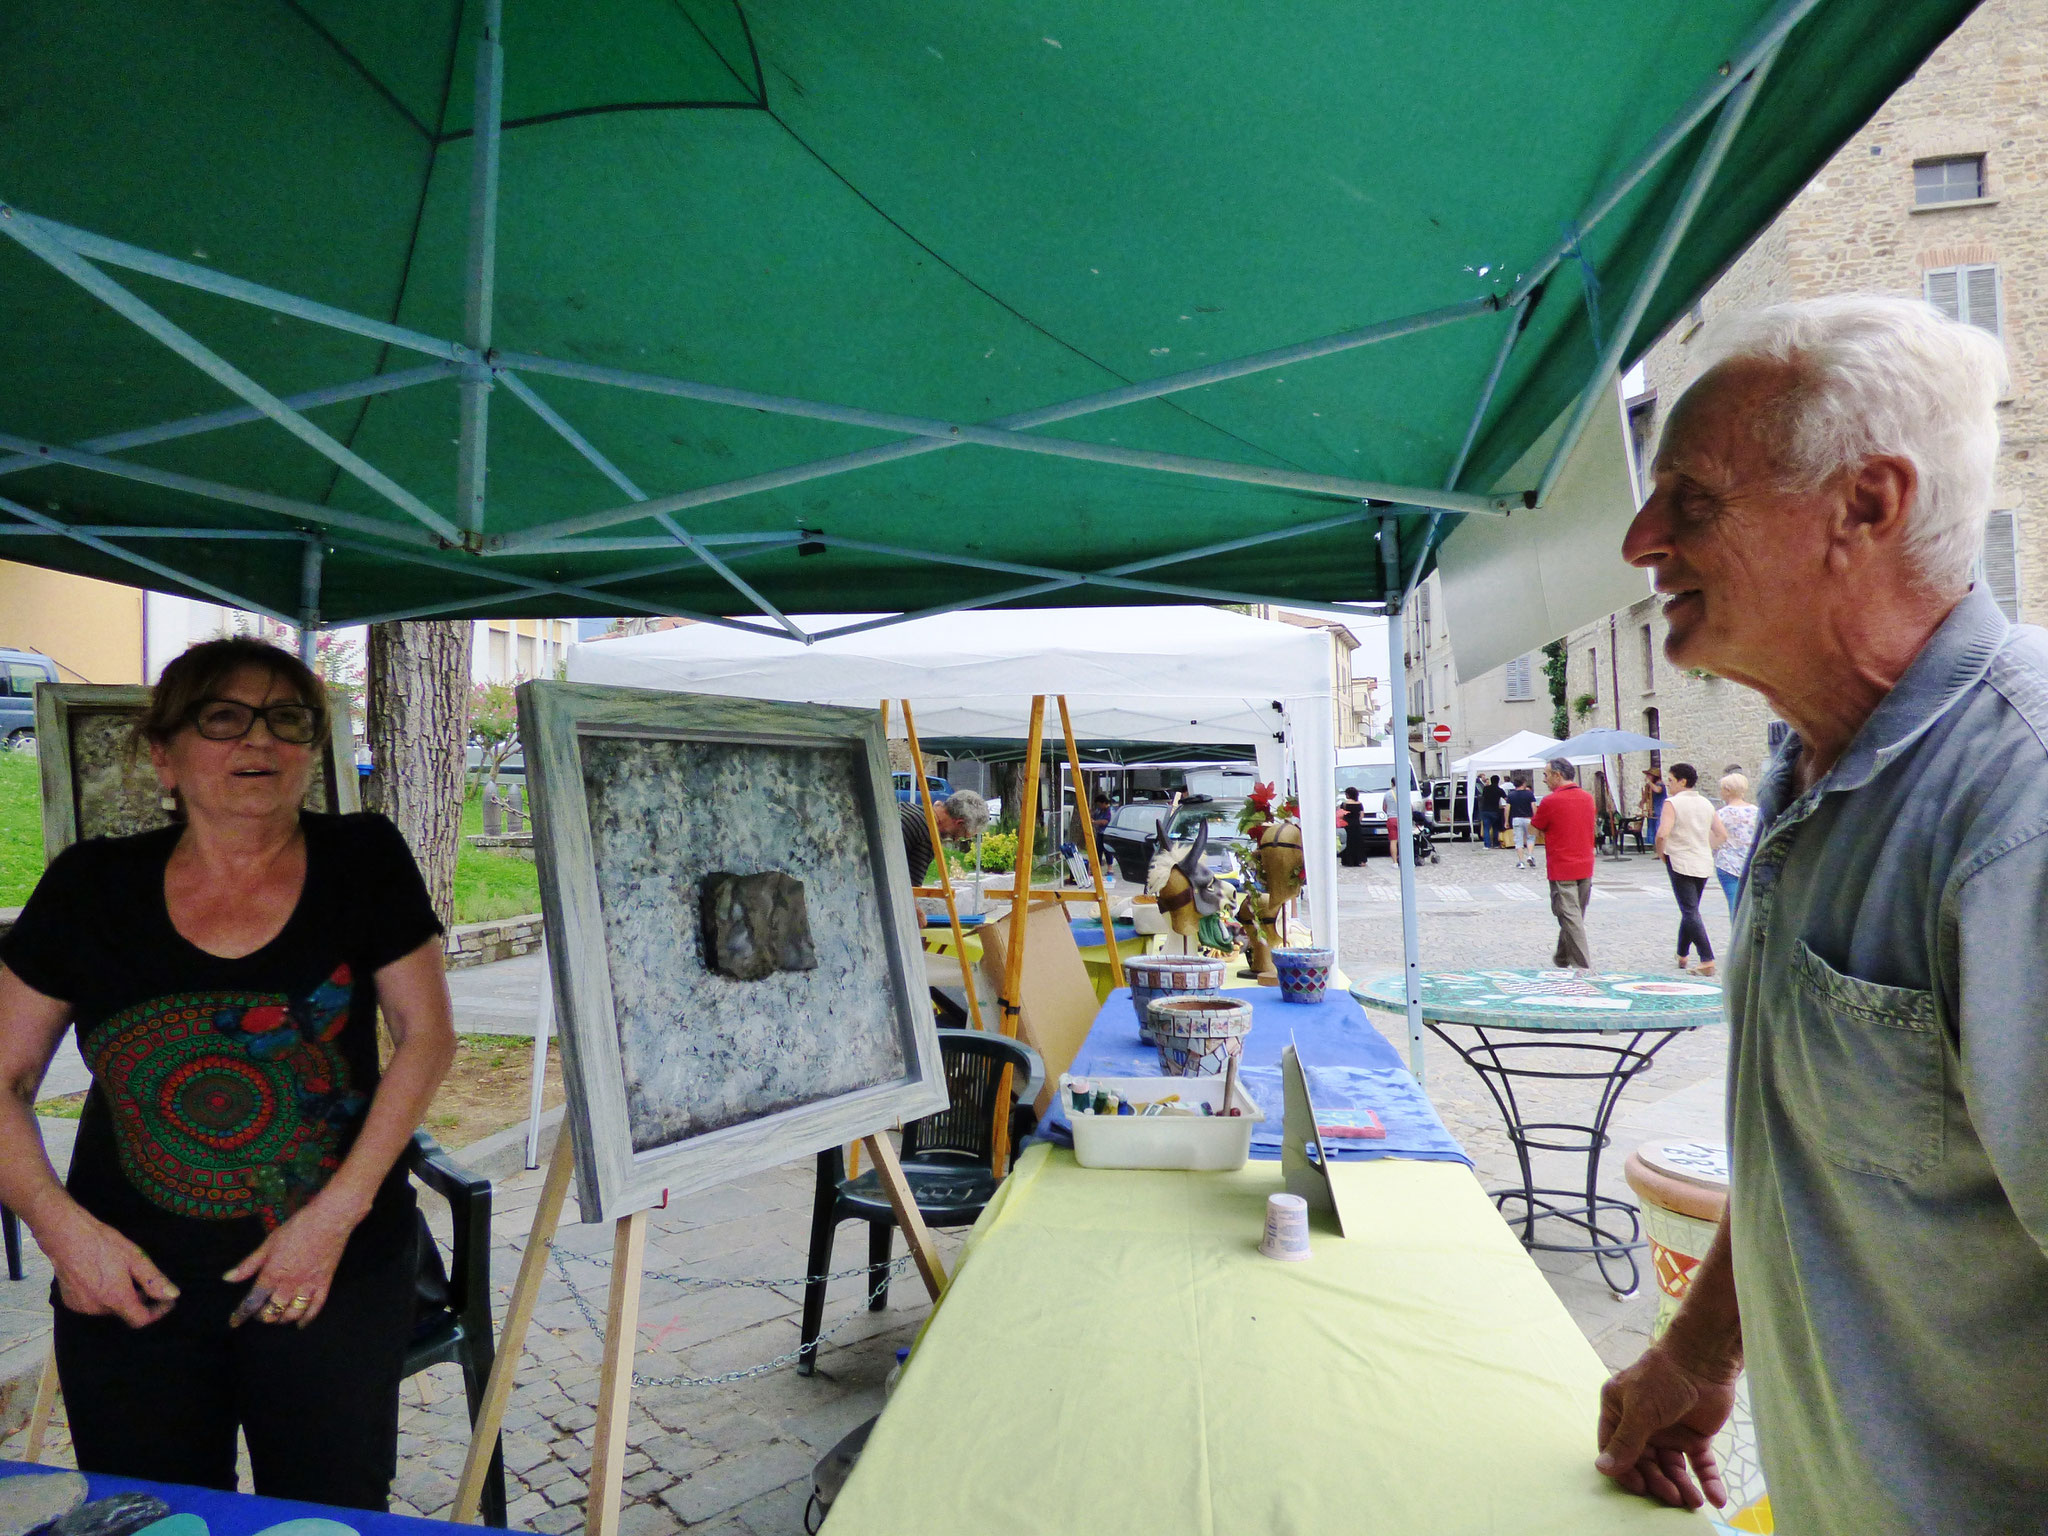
(1348, 1061)
(1088, 935)
(244, 1514)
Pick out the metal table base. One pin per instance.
(1599, 1219)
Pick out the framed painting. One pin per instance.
(97, 781)
(732, 939)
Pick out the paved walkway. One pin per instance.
(734, 1456)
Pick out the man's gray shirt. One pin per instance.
(1888, 1105)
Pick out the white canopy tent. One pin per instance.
(1524, 749)
(1196, 675)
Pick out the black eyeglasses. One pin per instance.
(231, 720)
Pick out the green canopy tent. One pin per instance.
(350, 311)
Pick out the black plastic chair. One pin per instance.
(452, 1320)
(948, 1160)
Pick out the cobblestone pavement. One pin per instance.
(735, 1458)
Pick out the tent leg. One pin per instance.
(310, 564)
(1404, 845)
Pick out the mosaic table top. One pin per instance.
(1554, 999)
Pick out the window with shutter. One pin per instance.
(1520, 681)
(2001, 566)
(1966, 293)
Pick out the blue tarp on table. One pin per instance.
(1349, 1063)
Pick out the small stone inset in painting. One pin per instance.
(755, 925)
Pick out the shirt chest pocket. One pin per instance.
(1860, 1071)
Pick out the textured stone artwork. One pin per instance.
(113, 787)
(755, 925)
(699, 1049)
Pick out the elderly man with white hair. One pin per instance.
(1818, 512)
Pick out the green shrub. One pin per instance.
(998, 855)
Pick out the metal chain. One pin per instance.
(891, 1271)
(713, 1282)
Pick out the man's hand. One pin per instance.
(1658, 1419)
(100, 1272)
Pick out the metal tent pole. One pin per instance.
(473, 453)
(1404, 844)
(310, 564)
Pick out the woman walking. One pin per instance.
(1734, 832)
(1521, 806)
(235, 1250)
(1685, 835)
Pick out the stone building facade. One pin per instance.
(1479, 712)
(1943, 195)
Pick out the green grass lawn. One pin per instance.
(21, 827)
(491, 885)
(487, 885)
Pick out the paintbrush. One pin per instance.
(1229, 1087)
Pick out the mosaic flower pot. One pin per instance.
(1196, 1036)
(1155, 976)
(1304, 973)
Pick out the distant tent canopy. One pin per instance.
(345, 312)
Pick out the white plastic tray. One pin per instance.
(1202, 1143)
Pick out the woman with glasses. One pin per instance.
(234, 1247)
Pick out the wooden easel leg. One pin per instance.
(45, 1404)
(603, 1494)
(483, 1438)
(908, 1216)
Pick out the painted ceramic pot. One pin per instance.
(1155, 976)
(1196, 1036)
(1304, 973)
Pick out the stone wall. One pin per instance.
(480, 943)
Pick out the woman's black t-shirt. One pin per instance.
(225, 1092)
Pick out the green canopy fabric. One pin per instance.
(949, 213)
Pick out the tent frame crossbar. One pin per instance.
(74, 252)
(31, 238)
(241, 415)
(675, 530)
(49, 525)
(1609, 352)
(1518, 321)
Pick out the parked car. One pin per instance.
(906, 787)
(20, 671)
(1132, 837)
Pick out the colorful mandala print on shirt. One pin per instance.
(229, 1104)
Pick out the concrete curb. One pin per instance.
(502, 1156)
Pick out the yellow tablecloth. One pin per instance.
(1114, 1357)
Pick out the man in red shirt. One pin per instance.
(1565, 818)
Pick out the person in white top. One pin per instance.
(1734, 832)
(1685, 842)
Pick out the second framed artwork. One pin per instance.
(731, 936)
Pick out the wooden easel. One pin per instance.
(621, 1330)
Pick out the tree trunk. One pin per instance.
(418, 713)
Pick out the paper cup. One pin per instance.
(1286, 1236)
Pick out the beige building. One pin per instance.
(93, 630)
(1942, 196)
(1353, 698)
(1480, 712)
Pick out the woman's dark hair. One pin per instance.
(1685, 773)
(200, 673)
(1350, 791)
